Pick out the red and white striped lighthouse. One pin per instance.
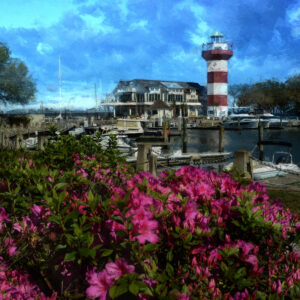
(217, 52)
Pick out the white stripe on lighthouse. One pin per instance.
(217, 65)
(217, 89)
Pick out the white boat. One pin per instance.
(124, 144)
(272, 121)
(77, 131)
(130, 127)
(282, 164)
(31, 143)
(241, 121)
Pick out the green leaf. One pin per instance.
(150, 247)
(117, 290)
(107, 252)
(40, 188)
(70, 256)
(170, 270)
(134, 288)
(170, 255)
(59, 247)
(233, 251)
(188, 237)
(261, 295)
(61, 185)
(85, 252)
(224, 267)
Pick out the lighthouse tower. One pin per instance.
(217, 52)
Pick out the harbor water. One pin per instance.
(208, 140)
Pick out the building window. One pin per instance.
(125, 97)
(140, 97)
(171, 97)
(154, 97)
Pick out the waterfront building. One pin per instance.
(217, 53)
(135, 97)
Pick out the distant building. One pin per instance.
(135, 97)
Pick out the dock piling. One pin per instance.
(184, 136)
(144, 152)
(243, 163)
(260, 140)
(221, 138)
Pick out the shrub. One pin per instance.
(96, 229)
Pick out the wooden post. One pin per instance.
(2, 138)
(239, 123)
(243, 163)
(184, 136)
(152, 164)
(260, 140)
(5, 139)
(19, 140)
(165, 134)
(41, 142)
(221, 138)
(142, 162)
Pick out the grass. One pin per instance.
(289, 199)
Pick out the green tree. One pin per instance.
(293, 90)
(16, 84)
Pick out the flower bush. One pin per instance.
(95, 229)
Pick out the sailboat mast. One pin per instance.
(59, 81)
(96, 100)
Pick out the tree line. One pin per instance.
(269, 95)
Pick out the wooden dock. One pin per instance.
(177, 158)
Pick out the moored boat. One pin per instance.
(242, 121)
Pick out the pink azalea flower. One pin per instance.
(214, 256)
(211, 285)
(190, 214)
(3, 216)
(37, 210)
(100, 284)
(118, 268)
(146, 228)
(246, 247)
(252, 259)
(12, 251)
(17, 227)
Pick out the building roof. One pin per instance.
(159, 104)
(217, 34)
(145, 85)
(163, 84)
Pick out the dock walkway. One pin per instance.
(290, 182)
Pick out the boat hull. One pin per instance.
(243, 124)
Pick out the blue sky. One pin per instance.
(103, 41)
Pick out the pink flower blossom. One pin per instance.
(3, 216)
(252, 259)
(100, 284)
(17, 227)
(211, 285)
(145, 229)
(118, 268)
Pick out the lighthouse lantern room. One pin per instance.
(217, 52)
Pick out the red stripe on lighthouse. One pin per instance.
(214, 100)
(217, 54)
(217, 77)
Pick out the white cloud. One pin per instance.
(141, 24)
(198, 10)
(97, 24)
(44, 48)
(123, 6)
(293, 18)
